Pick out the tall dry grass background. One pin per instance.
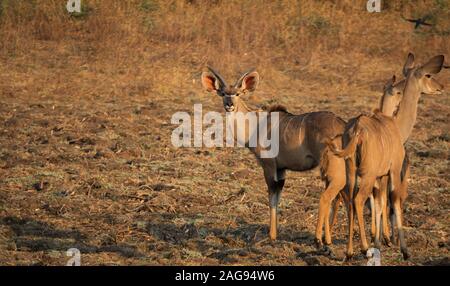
(277, 37)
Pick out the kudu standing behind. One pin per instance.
(374, 149)
(389, 102)
(301, 145)
(428, 85)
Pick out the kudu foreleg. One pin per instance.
(275, 186)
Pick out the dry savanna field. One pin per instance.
(86, 159)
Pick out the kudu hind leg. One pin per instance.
(385, 190)
(335, 176)
(333, 188)
(373, 227)
(396, 199)
(380, 211)
(351, 180)
(334, 211)
(365, 189)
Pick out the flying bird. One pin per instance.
(419, 21)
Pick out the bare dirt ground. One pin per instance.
(87, 162)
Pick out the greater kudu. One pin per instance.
(301, 145)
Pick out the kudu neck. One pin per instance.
(242, 107)
(247, 127)
(407, 110)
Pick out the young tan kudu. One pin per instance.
(374, 149)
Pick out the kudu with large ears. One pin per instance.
(301, 145)
(393, 95)
(420, 81)
(213, 82)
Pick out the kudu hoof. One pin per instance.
(387, 242)
(272, 237)
(364, 251)
(405, 254)
(327, 251)
(318, 243)
(377, 244)
(348, 256)
(394, 240)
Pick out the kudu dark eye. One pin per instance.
(428, 75)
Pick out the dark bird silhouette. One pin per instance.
(419, 21)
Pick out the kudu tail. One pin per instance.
(347, 151)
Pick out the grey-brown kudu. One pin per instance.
(301, 145)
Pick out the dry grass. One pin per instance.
(85, 152)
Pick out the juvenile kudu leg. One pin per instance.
(334, 211)
(275, 183)
(396, 199)
(365, 189)
(392, 219)
(351, 180)
(380, 201)
(373, 214)
(402, 194)
(335, 183)
(384, 192)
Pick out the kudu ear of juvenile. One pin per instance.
(425, 75)
(433, 66)
(409, 64)
(390, 82)
(392, 95)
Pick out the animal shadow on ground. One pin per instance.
(36, 236)
(246, 239)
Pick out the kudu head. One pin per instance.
(392, 95)
(424, 74)
(231, 94)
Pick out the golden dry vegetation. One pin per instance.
(86, 102)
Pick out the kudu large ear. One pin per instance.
(248, 81)
(212, 81)
(390, 83)
(409, 64)
(433, 66)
